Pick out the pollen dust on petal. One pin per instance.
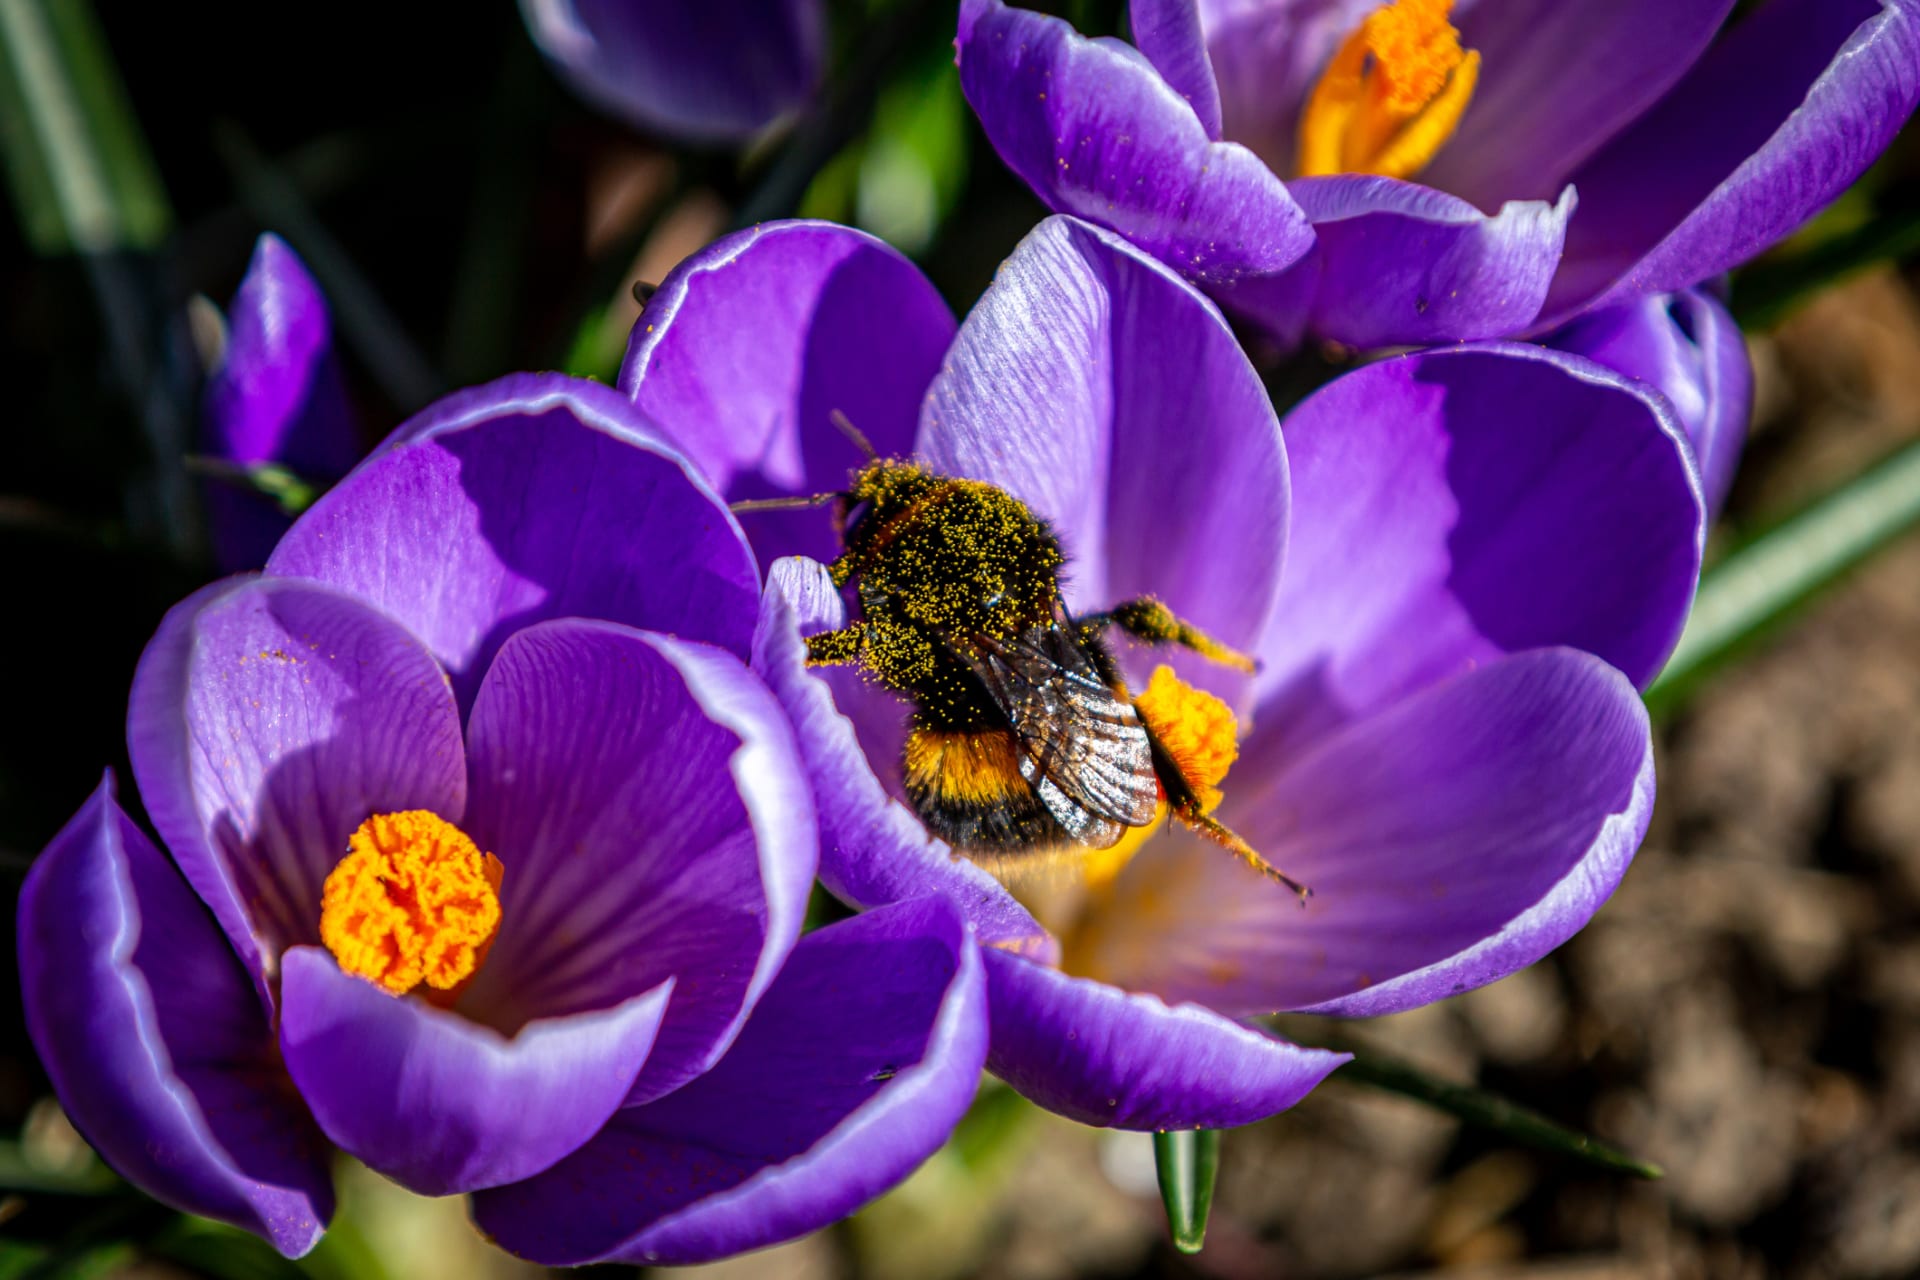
(414, 901)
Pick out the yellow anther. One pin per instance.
(1392, 95)
(413, 901)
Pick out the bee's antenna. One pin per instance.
(854, 434)
(783, 504)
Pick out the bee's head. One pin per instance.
(883, 488)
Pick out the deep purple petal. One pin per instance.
(754, 342)
(649, 806)
(1449, 840)
(853, 1070)
(1266, 56)
(443, 1105)
(537, 496)
(154, 1040)
(1168, 32)
(1399, 264)
(269, 719)
(1455, 505)
(1775, 121)
(1557, 80)
(1095, 131)
(1108, 1057)
(1688, 347)
(873, 851)
(275, 397)
(1096, 385)
(716, 71)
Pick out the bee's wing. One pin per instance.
(1084, 750)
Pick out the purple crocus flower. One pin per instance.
(1567, 155)
(275, 397)
(714, 72)
(1485, 549)
(489, 857)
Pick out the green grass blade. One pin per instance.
(1489, 1111)
(1755, 586)
(76, 162)
(1187, 1161)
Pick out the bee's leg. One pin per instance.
(837, 648)
(1145, 618)
(1190, 814)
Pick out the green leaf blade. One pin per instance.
(1187, 1161)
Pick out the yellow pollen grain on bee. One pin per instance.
(1197, 729)
(414, 901)
(1391, 96)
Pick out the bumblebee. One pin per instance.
(1024, 737)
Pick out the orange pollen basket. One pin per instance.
(1392, 95)
(414, 901)
(1197, 729)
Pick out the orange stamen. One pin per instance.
(1391, 96)
(414, 901)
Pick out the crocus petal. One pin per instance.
(276, 396)
(1084, 369)
(717, 71)
(1266, 57)
(753, 343)
(154, 1041)
(1688, 347)
(1557, 81)
(268, 719)
(1399, 264)
(1454, 505)
(1168, 32)
(648, 804)
(537, 496)
(873, 851)
(1449, 840)
(853, 1070)
(1096, 132)
(1108, 1057)
(443, 1105)
(1771, 124)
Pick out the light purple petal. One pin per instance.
(1455, 505)
(269, 719)
(853, 1070)
(1267, 55)
(1688, 347)
(1399, 264)
(716, 71)
(754, 342)
(1557, 80)
(275, 397)
(1168, 32)
(1105, 392)
(154, 1040)
(1449, 840)
(646, 799)
(1095, 131)
(443, 1105)
(1773, 122)
(537, 496)
(1108, 1057)
(873, 851)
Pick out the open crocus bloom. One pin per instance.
(718, 71)
(275, 396)
(1485, 550)
(489, 857)
(1386, 173)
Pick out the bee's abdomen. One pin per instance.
(968, 790)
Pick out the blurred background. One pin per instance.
(1745, 1012)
